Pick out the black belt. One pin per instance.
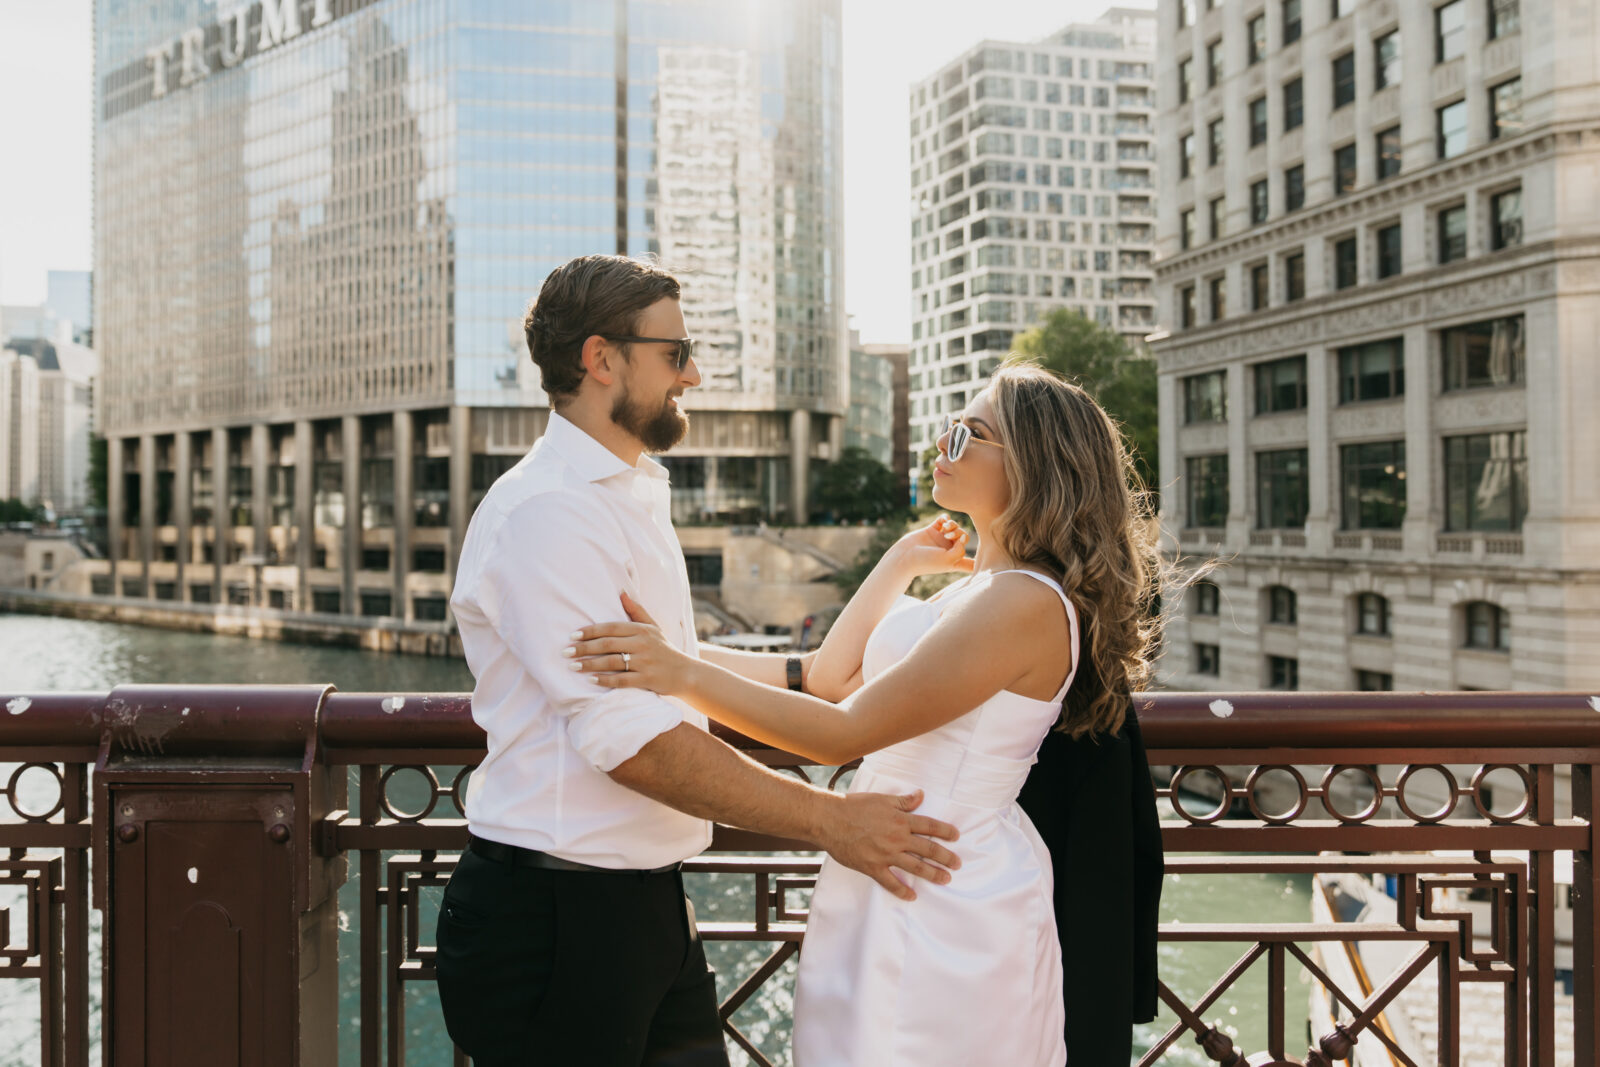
(528, 857)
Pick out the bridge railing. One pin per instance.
(210, 829)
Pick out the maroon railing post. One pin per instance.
(1585, 930)
(220, 921)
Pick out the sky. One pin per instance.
(46, 129)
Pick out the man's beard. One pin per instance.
(658, 429)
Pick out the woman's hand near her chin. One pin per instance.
(652, 661)
(937, 548)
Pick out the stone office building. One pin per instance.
(318, 223)
(1379, 273)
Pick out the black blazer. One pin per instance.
(1094, 805)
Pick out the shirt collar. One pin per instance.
(591, 459)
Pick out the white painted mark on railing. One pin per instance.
(1221, 708)
(18, 705)
(194, 875)
(1594, 702)
(393, 704)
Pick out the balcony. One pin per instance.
(1462, 802)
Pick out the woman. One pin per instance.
(953, 695)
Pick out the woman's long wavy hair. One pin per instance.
(1079, 511)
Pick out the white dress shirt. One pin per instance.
(555, 542)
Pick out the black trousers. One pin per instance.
(540, 967)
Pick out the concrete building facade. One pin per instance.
(19, 426)
(1379, 278)
(1032, 184)
(318, 223)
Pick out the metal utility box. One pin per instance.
(220, 918)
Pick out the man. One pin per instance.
(565, 936)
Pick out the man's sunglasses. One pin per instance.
(960, 437)
(685, 345)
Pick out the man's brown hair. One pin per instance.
(583, 297)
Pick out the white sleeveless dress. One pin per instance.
(969, 973)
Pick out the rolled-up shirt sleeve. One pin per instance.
(555, 567)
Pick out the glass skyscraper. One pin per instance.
(318, 223)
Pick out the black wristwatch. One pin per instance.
(793, 667)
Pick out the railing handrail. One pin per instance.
(245, 715)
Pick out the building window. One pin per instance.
(1214, 153)
(1207, 659)
(1341, 8)
(429, 608)
(1281, 606)
(1486, 481)
(1483, 355)
(1372, 615)
(1207, 598)
(1206, 479)
(1386, 60)
(1283, 673)
(1388, 240)
(1258, 202)
(1219, 298)
(1294, 112)
(1505, 16)
(1505, 109)
(1294, 277)
(1213, 64)
(1219, 215)
(1373, 371)
(1453, 233)
(1294, 188)
(1258, 39)
(1258, 121)
(1185, 13)
(1281, 385)
(1186, 155)
(1373, 682)
(1259, 286)
(1291, 22)
(1186, 232)
(1344, 169)
(1185, 79)
(1372, 482)
(1344, 80)
(1388, 151)
(1205, 397)
(1505, 211)
(1486, 625)
(1452, 135)
(1283, 489)
(1449, 31)
(1186, 307)
(1344, 263)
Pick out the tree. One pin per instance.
(850, 579)
(14, 510)
(1121, 380)
(856, 487)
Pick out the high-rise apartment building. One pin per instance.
(19, 426)
(1032, 183)
(1379, 270)
(318, 223)
(61, 379)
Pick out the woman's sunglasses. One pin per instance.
(960, 436)
(685, 345)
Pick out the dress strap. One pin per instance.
(1072, 625)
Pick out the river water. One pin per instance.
(40, 654)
